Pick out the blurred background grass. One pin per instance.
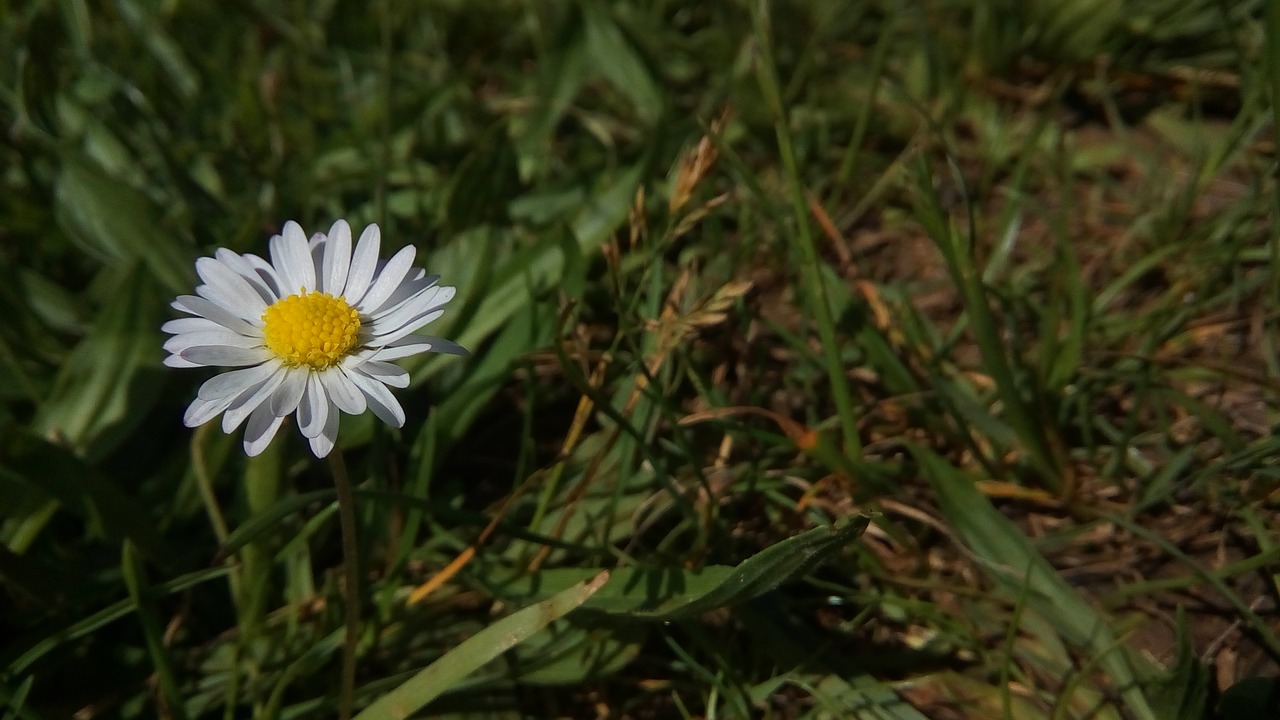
(1002, 273)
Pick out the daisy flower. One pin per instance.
(310, 332)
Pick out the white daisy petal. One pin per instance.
(260, 429)
(413, 324)
(387, 281)
(231, 284)
(323, 443)
(207, 309)
(415, 344)
(337, 258)
(249, 399)
(315, 247)
(381, 401)
(231, 303)
(430, 299)
(174, 361)
(343, 392)
(385, 373)
(363, 263)
(267, 274)
(230, 384)
(221, 336)
(292, 260)
(190, 325)
(408, 290)
(426, 297)
(200, 411)
(286, 397)
(314, 408)
(247, 270)
(226, 356)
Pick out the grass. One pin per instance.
(1002, 276)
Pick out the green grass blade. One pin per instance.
(140, 591)
(667, 594)
(1010, 560)
(961, 264)
(810, 271)
(476, 651)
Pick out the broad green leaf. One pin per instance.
(105, 385)
(50, 302)
(673, 593)
(615, 56)
(574, 650)
(117, 223)
(79, 26)
(477, 650)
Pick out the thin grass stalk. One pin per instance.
(767, 77)
(964, 272)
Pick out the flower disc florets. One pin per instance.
(314, 329)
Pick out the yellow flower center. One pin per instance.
(313, 329)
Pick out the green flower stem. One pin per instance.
(351, 566)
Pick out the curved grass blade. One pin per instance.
(666, 594)
(477, 650)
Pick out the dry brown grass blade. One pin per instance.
(694, 165)
(838, 242)
(804, 438)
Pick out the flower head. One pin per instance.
(310, 332)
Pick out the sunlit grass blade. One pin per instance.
(476, 651)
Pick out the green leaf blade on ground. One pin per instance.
(668, 594)
(477, 650)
